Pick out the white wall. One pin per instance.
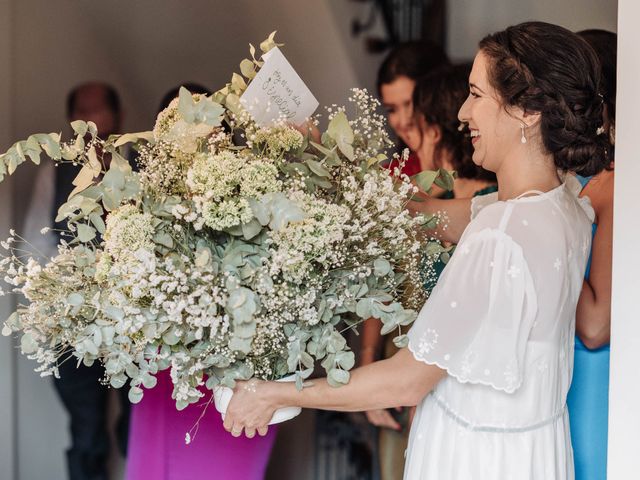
(624, 413)
(470, 20)
(7, 364)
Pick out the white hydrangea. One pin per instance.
(227, 213)
(128, 230)
(259, 177)
(277, 140)
(215, 176)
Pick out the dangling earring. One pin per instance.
(523, 139)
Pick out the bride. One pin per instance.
(489, 359)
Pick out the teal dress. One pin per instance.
(588, 403)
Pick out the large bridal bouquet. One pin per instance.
(236, 251)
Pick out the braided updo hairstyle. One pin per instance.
(547, 69)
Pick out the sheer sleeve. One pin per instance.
(480, 201)
(477, 321)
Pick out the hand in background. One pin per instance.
(382, 418)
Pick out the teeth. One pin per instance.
(475, 133)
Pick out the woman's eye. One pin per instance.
(474, 95)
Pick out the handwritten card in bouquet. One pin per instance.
(278, 92)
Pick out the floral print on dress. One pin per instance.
(428, 341)
(511, 374)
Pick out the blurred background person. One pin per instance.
(397, 77)
(588, 399)
(84, 397)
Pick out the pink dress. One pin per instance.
(157, 448)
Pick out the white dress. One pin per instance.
(501, 321)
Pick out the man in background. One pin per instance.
(79, 388)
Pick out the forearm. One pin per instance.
(593, 319)
(398, 381)
(455, 215)
(593, 315)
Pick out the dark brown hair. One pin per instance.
(437, 98)
(605, 44)
(412, 60)
(550, 70)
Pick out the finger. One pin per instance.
(262, 431)
(250, 432)
(228, 423)
(386, 420)
(236, 431)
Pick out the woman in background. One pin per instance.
(397, 78)
(588, 399)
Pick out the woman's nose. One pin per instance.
(463, 113)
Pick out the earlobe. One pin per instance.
(431, 134)
(531, 119)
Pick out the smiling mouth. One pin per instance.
(475, 136)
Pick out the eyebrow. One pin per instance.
(473, 85)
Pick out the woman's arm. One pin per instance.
(398, 381)
(593, 315)
(370, 346)
(456, 215)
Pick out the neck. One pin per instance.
(525, 172)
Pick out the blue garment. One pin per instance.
(588, 403)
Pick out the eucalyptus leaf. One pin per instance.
(118, 381)
(337, 377)
(340, 131)
(401, 341)
(75, 299)
(381, 267)
(133, 137)
(425, 179)
(86, 233)
(27, 344)
(135, 394)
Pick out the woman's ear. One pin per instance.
(531, 119)
(431, 134)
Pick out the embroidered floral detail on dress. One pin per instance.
(466, 250)
(525, 223)
(543, 366)
(511, 374)
(557, 264)
(513, 271)
(454, 304)
(468, 361)
(428, 341)
(585, 246)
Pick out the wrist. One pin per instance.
(277, 394)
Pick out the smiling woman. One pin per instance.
(397, 78)
(488, 360)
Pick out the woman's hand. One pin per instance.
(251, 408)
(308, 128)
